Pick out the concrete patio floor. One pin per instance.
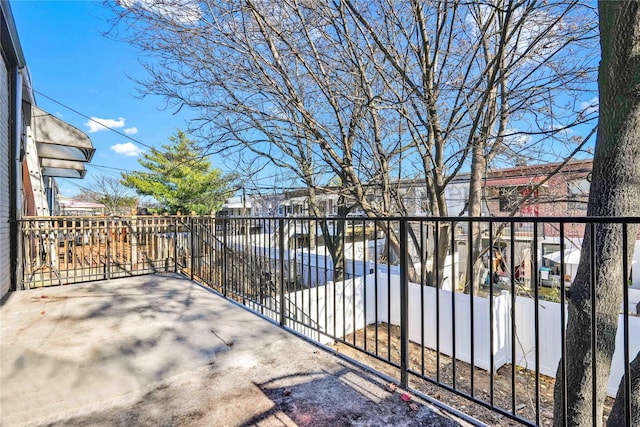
(162, 350)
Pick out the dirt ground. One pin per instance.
(424, 361)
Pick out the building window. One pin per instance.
(548, 249)
(578, 194)
(331, 207)
(511, 197)
(422, 202)
(507, 198)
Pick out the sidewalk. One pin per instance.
(161, 350)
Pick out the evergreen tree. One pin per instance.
(180, 178)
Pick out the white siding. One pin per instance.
(5, 260)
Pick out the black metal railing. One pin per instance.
(470, 306)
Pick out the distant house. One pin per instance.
(553, 190)
(564, 193)
(76, 207)
(544, 190)
(35, 148)
(236, 207)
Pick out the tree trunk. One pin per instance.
(393, 237)
(475, 210)
(615, 191)
(444, 242)
(335, 247)
(616, 417)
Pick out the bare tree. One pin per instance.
(371, 92)
(615, 192)
(288, 82)
(109, 191)
(482, 81)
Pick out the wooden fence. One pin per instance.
(62, 250)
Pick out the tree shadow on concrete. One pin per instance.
(344, 398)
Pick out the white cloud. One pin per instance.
(590, 107)
(96, 124)
(131, 131)
(186, 12)
(516, 138)
(128, 149)
(559, 130)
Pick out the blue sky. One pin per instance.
(73, 63)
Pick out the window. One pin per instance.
(422, 202)
(507, 198)
(331, 207)
(510, 197)
(548, 249)
(578, 194)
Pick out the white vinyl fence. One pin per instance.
(339, 309)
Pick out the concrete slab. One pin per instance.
(161, 350)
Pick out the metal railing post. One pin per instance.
(404, 306)
(175, 244)
(107, 261)
(192, 235)
(281, 262)
(133, 242)
(625, 321)
(211, 248)
(225, 249)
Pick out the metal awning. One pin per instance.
(62, 168)
(63, 149)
